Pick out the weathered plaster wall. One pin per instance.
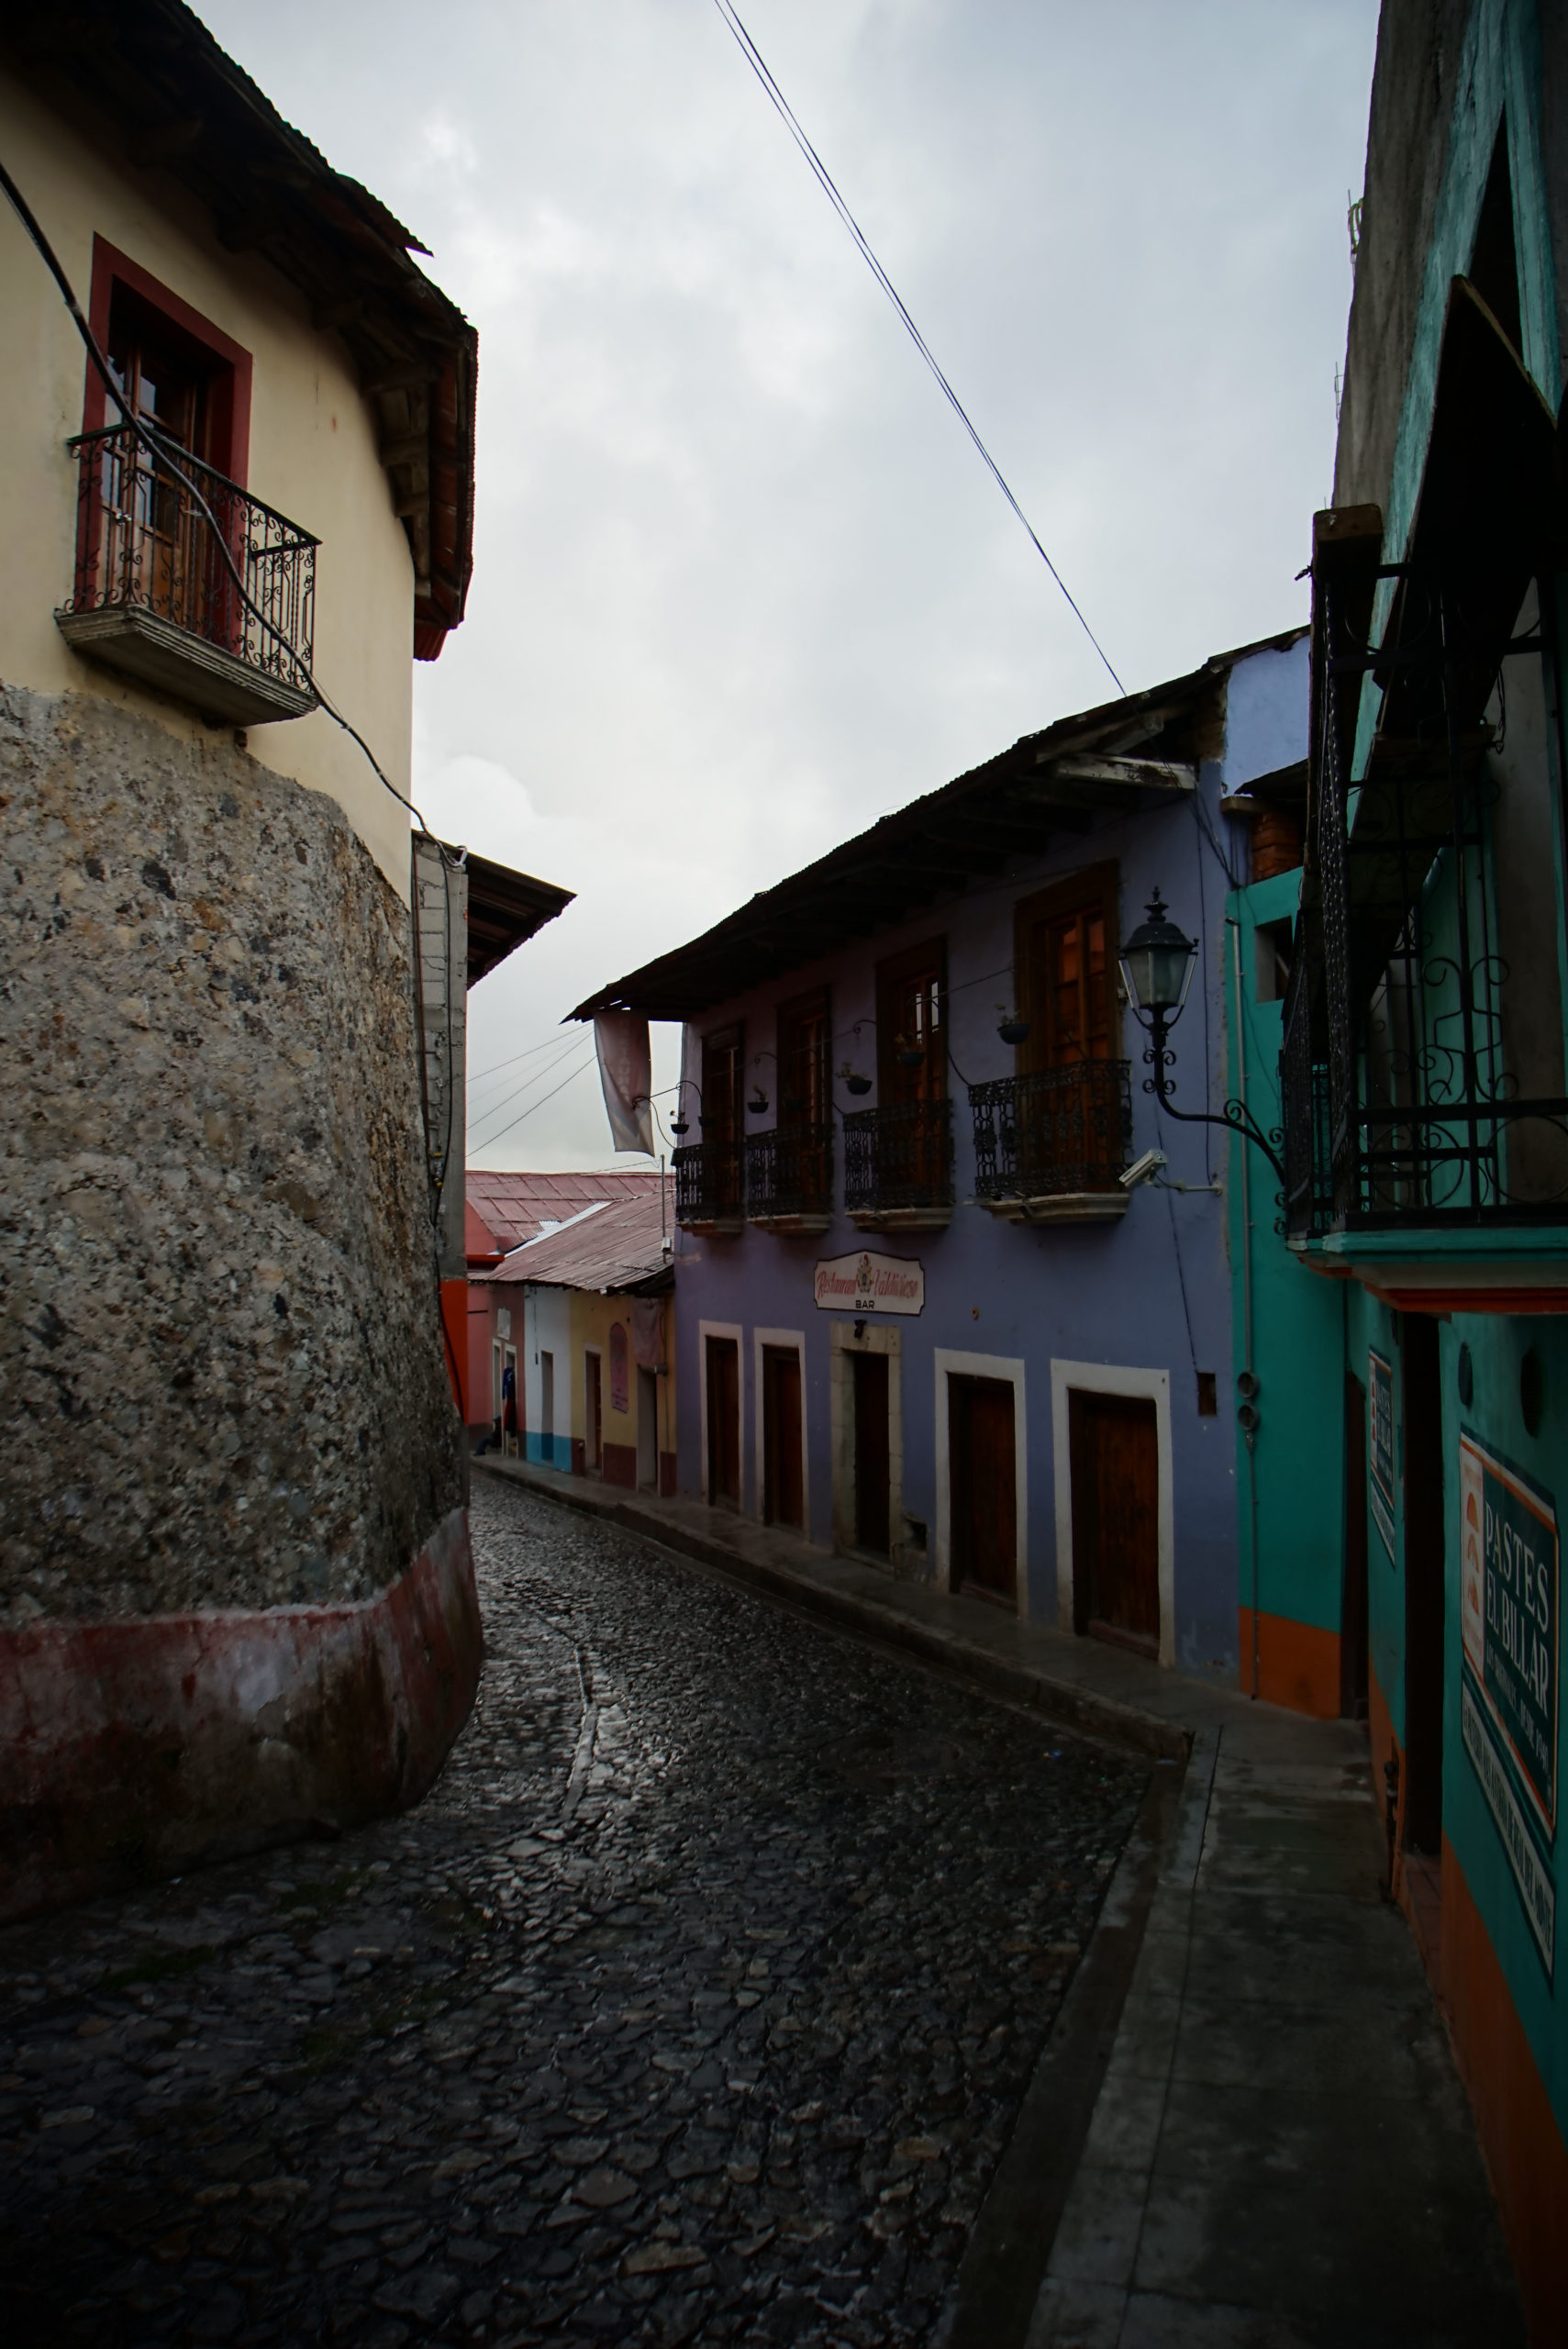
(221, 1376)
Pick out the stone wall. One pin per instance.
(221, 1374)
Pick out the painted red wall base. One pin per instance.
(1298, 1664)
(1521, 2141)
(134, 1748)
(666, 1476)
(454, 1321)
(1519, 2130)
(620, 1465)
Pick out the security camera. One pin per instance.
(1142, 1170)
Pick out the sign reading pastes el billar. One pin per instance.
(1509, 1577)
(1380, 1443)
(868, 1284)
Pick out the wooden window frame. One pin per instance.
(1091, 885)
(892, 974)
(233, 373)
(718, 1040)
(788, 1014)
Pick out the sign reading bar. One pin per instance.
(1380, 1447)
(868, 1284)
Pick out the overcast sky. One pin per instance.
(741, 584)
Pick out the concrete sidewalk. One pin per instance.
(1273, 2149)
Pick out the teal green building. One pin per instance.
(1398, 1000)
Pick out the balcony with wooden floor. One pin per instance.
(898, 1167)
(708, 1189)
(789, 1179)
(188, 584)
(1049, 1147)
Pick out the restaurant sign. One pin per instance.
(1509, 1598)
(1380, 1410)
(868, 1284)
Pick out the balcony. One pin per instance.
(1426, 1126)
(898, 1167)
(708, 1189)
(1048, 1147)
(789, 1178)
(155, 595)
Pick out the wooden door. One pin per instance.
(1064, 949)
(873, 1465)
(721, 1117)
(783, 1493)
(982, 1488)
(1114, 1451)
(723, 1422)
(595, 1414)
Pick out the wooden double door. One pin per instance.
(1113, 1454)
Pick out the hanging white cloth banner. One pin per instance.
(626, 1073)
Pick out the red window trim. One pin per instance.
(110, 266)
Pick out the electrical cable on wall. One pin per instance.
(824, 178)
(161, 452)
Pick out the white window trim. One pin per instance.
(706, 1329)
(1150, 1386)
(1011, 1368)
(788, 1341)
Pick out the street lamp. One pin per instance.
(1157, 966)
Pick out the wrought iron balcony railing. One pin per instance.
(1304, 1093)
(1050, 1146)
(155, 593)
(898, 1166)
(708, 1186)
(789, 1177)
(1422, 1070)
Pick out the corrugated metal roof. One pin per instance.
(613, 1247)
(517, 1207)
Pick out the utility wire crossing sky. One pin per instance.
(754, 57)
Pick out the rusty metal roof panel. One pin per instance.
(617, 1246)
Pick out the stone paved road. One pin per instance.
(695, 2004)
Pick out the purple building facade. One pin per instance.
(920, 1317)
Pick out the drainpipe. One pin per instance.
(1248, 1433)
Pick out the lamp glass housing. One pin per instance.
(1157, 964)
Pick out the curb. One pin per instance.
(1060, 1701)
(992, 2301)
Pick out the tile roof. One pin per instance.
(614, 1246)
(517, 1208)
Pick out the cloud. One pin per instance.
(742, 584)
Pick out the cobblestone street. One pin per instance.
(695, 2004)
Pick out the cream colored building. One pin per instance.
(236, 1593)
(361, 394)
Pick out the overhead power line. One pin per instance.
(491, 1140)
(825, 180)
